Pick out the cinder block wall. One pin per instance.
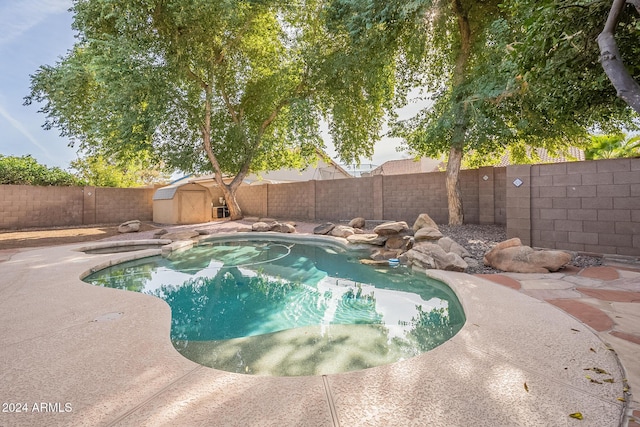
(591, 206)
(407, 196)
(344, 199)
(114, 205)
(253, 200)
(292, 200)
(26, 206)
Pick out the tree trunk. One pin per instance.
(454, 196)
(627, 88)
(229, 193)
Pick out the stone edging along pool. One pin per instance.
(516, 361)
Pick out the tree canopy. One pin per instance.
(229, 86)
(234, 86)
(101, 171)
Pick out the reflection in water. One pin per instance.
(291, 309)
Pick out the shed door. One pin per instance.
(193, 208)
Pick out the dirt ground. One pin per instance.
(32, 238)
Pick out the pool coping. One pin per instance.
(516, 361)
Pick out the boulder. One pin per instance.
(443, 260)
(261, 226)
(424, 220)
(514, 257)
(390, 228)
(129, 226)
(342, 231)
(450, 245)
(358, 222)
(382, 254)
(324, 228)
(367, 239)
(427, 233)
(418, 259)
(398, 242)
(283, 228)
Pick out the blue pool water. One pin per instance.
(285, 308)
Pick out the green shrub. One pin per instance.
(26, 170)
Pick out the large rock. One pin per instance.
(427, 233)
(357, 223)
(367, 239)
(324, 228)
(261, 226)
(390, 228)
(383, 254)
(443, 260)
(419, 259)
(509, 256)
(450, 245)
(129, 226)
(283, 228)
(398, 242)
(342, 231)
(424, 220)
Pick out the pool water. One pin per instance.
(284, 308)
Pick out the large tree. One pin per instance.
(505, 74)
(229, 86)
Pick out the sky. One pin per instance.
(36, 33)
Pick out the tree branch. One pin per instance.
(635, 3)
(627, 89)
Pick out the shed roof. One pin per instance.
(165, 193)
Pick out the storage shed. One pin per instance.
(184, 202)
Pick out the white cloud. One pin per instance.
(17, 125)
(17, 17)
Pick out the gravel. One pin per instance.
(479, 239)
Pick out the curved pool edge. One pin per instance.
(478, 376)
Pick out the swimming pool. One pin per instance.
(291, 308)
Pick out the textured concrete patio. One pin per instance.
(75, 354)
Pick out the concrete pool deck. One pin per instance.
(75, 354)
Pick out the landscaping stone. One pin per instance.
(382, 254)
(512, 256)
(389, 228)
(443, 260)
(261, 226)
(283, 228)
(324, 228)
(358, 222)
(422, 221)
(450, 245)
(342, 231)
(129, 226)
(367, 239)
(398, 242)
(427, 233)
